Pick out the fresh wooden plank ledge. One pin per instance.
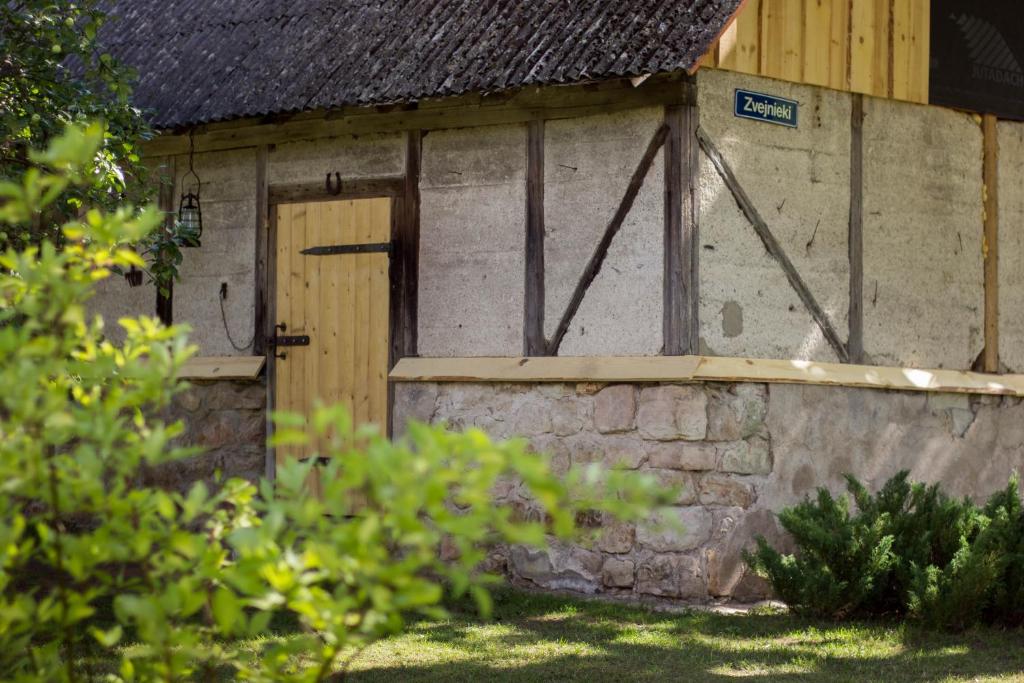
(700, 369)
(222, 367)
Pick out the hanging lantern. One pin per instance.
(190, 216)
(133, 276)
(190, 219)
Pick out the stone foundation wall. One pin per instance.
(227, 419)
(738, 453)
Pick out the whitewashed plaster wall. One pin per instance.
(353, 156)
(588, 163)
(799, 180)
(922, 232)
(471, 262)
(923, 271)
(1011, 244)
(227, 254)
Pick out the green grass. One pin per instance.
(543, 638)
(534, 637)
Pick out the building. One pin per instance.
(748, 246)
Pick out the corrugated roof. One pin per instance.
(211, 60)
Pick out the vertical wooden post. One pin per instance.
(404, 265)
(165, 304)
(691, 229)
(262, 249)
(534, 343)
(855, 342)
(407, 250)
(411, 242)
(990, 245)
(271, 315)
(680, 325)
(165, 202)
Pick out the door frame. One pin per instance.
(402, 270)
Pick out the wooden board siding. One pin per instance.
(875, 47)
(341, 301)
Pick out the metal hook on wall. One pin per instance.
(336, 190)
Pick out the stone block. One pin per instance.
(736, 412)
(684, 484)
(675, 529)
(612, 451)
(448, 550)
(616, 537)
(233, 395)
(721, 489)
(566, 417)
(180, 475)
(413, 401)
(525, 510)
(504, 488)
(752, 456)
(532, 417)
(682, 455)
(245, 461)
(617, 573)
(615, 409)
(728, 575)
(188, 400)
(589, 388)
(252, 428)
(220, 428)
(548, 389)
(675, 576)
(467, 397)
(560, 567)
(555, 449)
(666, 413)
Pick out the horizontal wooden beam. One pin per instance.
(514, 106)
(359, 188)
(688, 369)
(222, 367)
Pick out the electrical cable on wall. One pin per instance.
(224, 319)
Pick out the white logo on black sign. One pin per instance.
(991, 56)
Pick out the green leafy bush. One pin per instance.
(99, 572)
(909, 549)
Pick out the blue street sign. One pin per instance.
(761, 107)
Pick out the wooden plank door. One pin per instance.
(337, 294)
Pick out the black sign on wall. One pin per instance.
(977, 56)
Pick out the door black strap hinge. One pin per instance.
(378, 247)
(288, 340)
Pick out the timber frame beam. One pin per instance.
(681, 281)
(534, 342)
(855, 234)
(359, 188)
(990, 242)
(512, 106)
(165, 202)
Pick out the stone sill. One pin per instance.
(222, 367)
(700, 369)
